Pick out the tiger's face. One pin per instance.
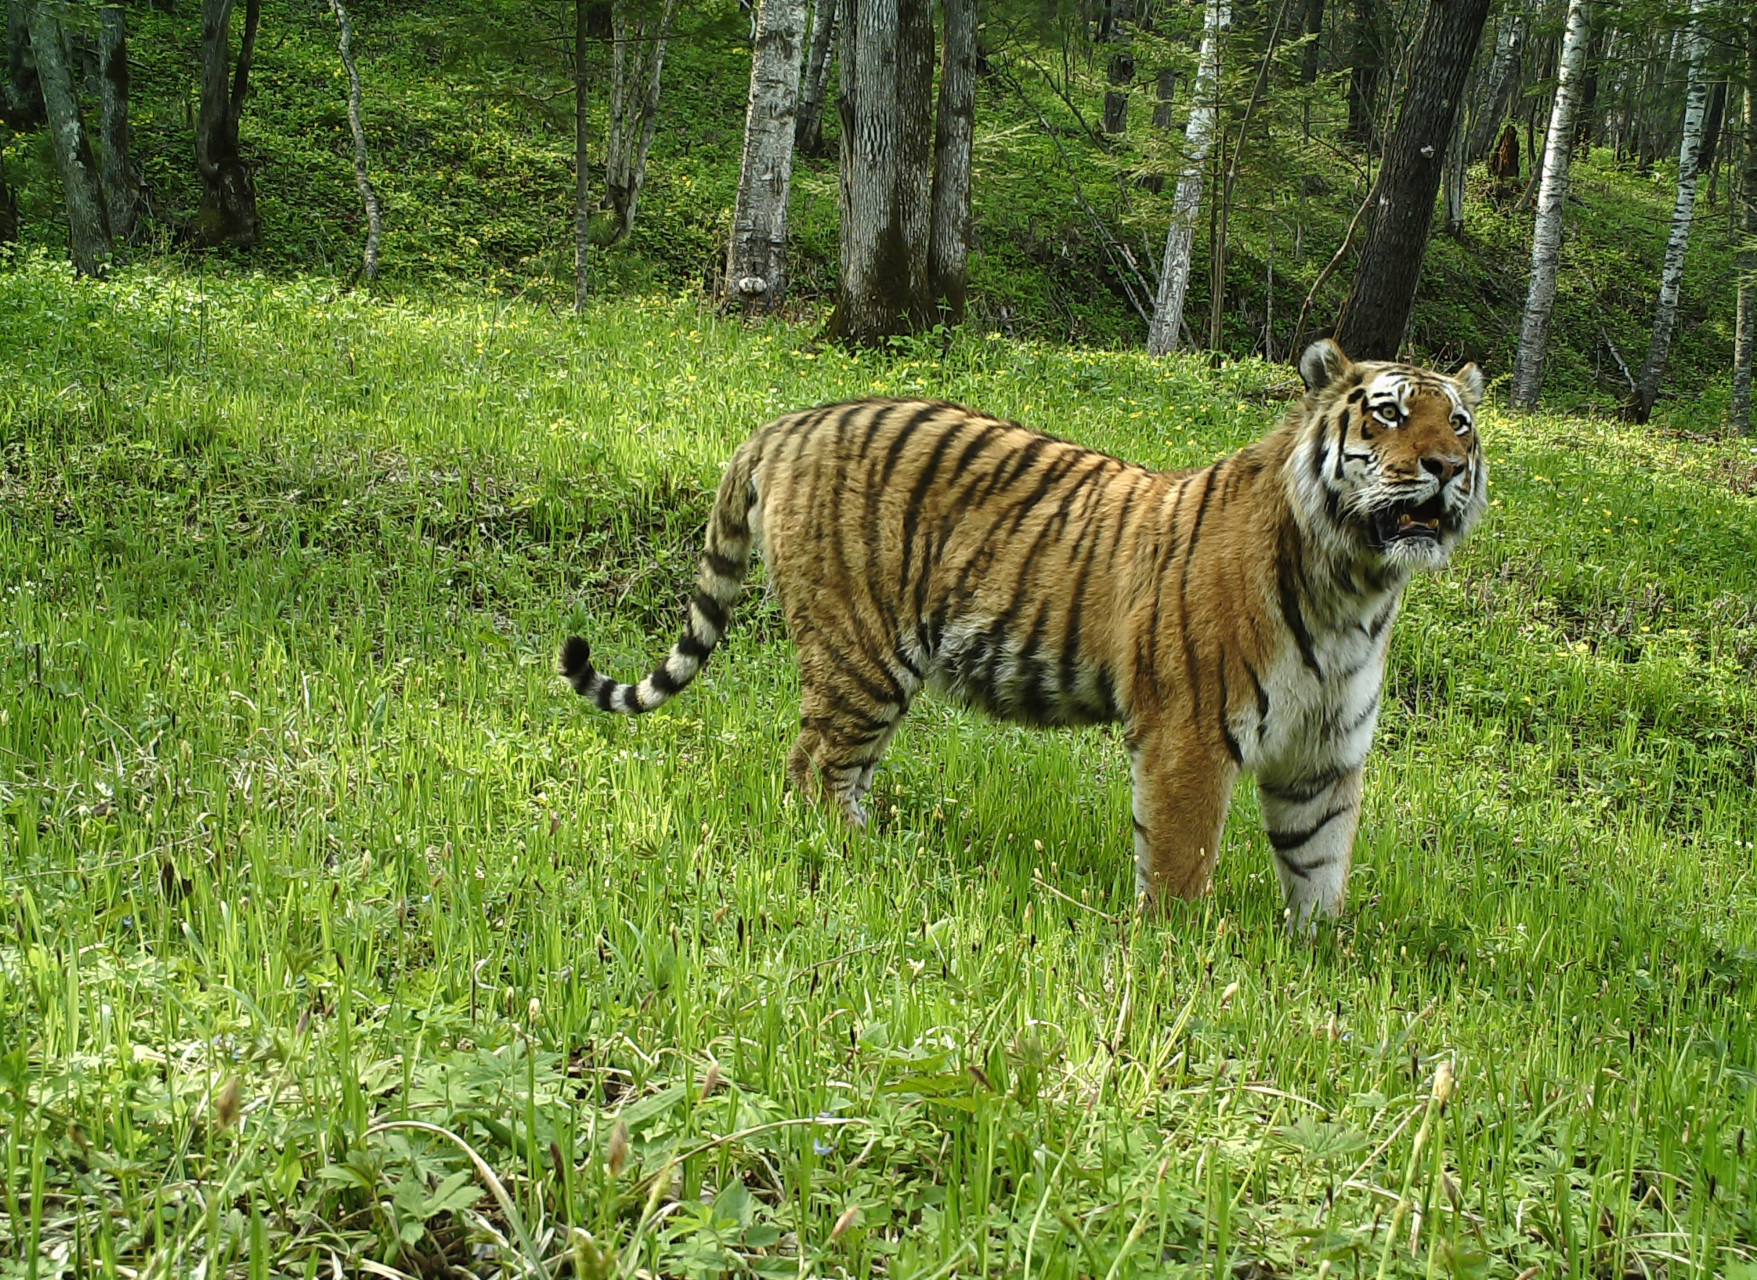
(1391, 457)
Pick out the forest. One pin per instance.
(355, 352)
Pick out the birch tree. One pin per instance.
(1552, 196)
(1671, 276)
(1745, 333)
(362, 180)
(87, 222)
(1174, 274)
(948, 249)
(756, 255)
(638, 36)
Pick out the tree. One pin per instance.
(1745, 334)
(23, 98)
(1312, 26)
(756, 254)
(808, 125)
(1671, 275)
(87, 222)
(1376, 310)
(1500, 87)
(228, 195)
(886, 82)
(582, 174)
(638, 38)
(1174, 273)
(1546, 241)
(948, 249)
(1363, 72)
(8, 202)
(116, 172)
(362, 180)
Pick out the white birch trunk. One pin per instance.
(756, 255)
(808, 124)
(368, 197)
(1745, 335)
(1552, 196)
(1497, 87)
(1174, 274)
(1672, 273)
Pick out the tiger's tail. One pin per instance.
(725, 560)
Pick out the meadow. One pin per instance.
(340, 939)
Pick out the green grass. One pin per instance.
(300, 837)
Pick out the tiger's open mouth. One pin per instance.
(1408, 523)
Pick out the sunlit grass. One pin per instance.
(301, 836)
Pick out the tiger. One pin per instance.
(1233, 619)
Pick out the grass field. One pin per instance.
(304, 845)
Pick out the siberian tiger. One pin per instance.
(1232, 618)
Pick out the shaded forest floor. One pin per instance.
(300, 836)
(468, 119)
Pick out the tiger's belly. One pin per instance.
(1012, 673)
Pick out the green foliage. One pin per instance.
(301, 838)
(468, 120)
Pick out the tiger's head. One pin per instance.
(1388, 465)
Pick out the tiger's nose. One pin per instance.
(1441, 467)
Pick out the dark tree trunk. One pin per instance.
(23, 99)
(1711, 130)
(8, 202)
(1586, 118)
(1313, 27)
(582, 174)
(1164, 90)
(808, 129)
(1376, 310)
(948, 250)
(886, 109)
(120, 181)
(228, 199)
(1118, 74)
(1363, 72)
(88, 226)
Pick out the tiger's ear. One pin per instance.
(1469, 380)
(1322, 364)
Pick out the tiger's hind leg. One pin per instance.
(843, 731)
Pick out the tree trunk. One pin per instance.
(886, 109)
(1174, 273)
(808, 130)
(756, 255)
(1546, 242)
(1585, 115)
(1363, 73)
(1376, 310)
(1453, 180)
(636, 61)
(1671, 277)
(1745, 333)
(8, 202)
(120, 182)
(1711, 126)
(1313, 28)
(582, 174)
(948, 244)
(86, 219)
(1498, 88)
(1118, 73)
(23, 100)
(368, 197)
(228, 202)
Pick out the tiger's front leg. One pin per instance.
(1182, 788)
(1311, 823)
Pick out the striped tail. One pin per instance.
(725, 560)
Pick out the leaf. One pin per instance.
(454, 1195)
